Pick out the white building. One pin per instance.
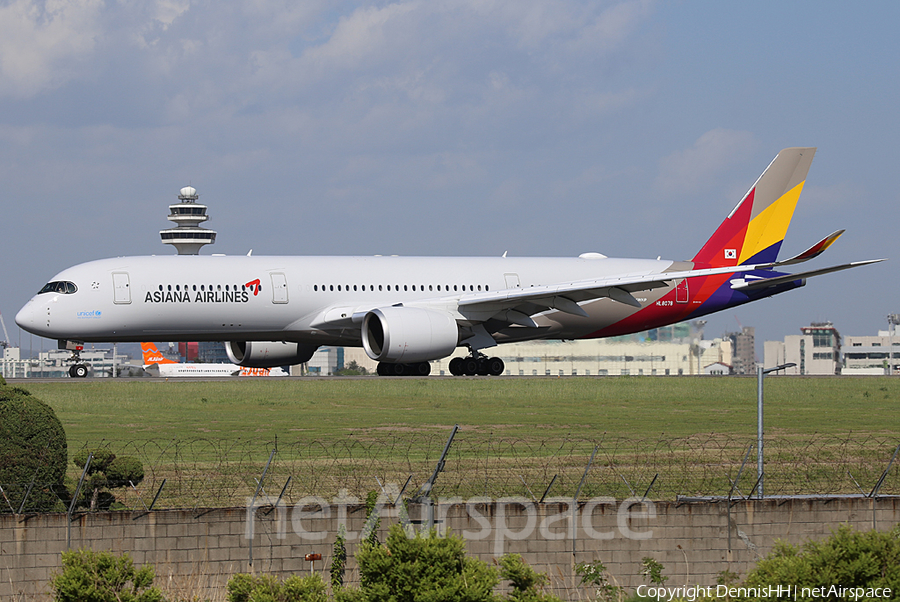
(593, 357)
(817, 351)
(603, 357)
(871, 354)
(55, 364)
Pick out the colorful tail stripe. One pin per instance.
(755, 229)
(752, 233)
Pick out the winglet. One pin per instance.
(814, 251)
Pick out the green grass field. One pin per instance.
(341, 434)
(638, 407)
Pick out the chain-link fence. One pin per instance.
(207, 473)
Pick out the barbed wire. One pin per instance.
(214, 473)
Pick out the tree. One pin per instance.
(352, 369)
(106, 471)
(33, 452)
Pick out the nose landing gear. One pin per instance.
(78, 369)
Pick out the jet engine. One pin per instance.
(408, 334)
(268, 354)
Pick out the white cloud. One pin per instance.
(614, 26)
(44, 44)
(694, 169)
(362, 37)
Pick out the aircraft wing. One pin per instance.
(565, 297)
(482, 306)
(517, 305)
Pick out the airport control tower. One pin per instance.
(188, 237)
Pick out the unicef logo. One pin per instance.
(82, 315)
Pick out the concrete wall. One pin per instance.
(196, 551)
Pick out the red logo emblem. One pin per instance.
(254, 284)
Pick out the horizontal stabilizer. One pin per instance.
(742, 285)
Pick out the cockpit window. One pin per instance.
(63, 287)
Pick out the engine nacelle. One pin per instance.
(268, 354)
(408, 334)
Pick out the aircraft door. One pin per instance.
(279, 288)
(681, 291)
(512, 280)
(121, 288)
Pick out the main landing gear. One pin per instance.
(417, 369)
(476, 364)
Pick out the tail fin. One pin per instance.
(153, 356)
(755, 228)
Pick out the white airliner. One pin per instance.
(156, 364)
(406, 311)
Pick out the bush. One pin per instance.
(848, 558)
(425, 567)
(32, 450)
(89, 576)
(266, 588)
(526, 582)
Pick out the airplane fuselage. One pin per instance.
(219, 298)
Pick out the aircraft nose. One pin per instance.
(25, 317)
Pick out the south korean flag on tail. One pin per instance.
(730, 253)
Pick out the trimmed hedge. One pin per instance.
(33, 452)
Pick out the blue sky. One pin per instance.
(449, 128)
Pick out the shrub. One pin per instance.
(339, 559)
(106, 471)
(424, 567)
(848, 558)
(32, 450)
(526, 582)
(266, 588)
(89, 576)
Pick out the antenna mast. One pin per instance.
(5, 342)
